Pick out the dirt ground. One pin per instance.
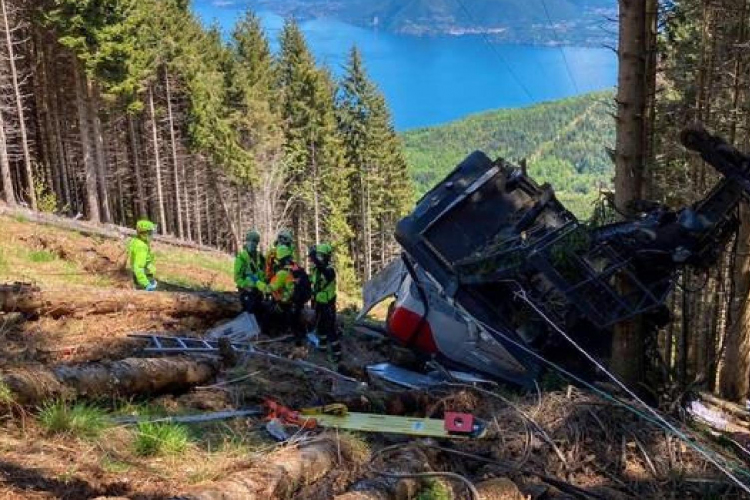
(560, 443)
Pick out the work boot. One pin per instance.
(334, 359)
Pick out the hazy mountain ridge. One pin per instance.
(574, 22)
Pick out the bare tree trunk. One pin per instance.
(139, 194)
(629, 361)
(735, 374)
(57, 128)
(682, 360)
(186, 197)
(41, 119)
(316, 195)
(7, 180)
(175, 163)
(211, 178)
(197, 205)
(118, 185)
(157, 160)
(239, 212)
(367, 222)
(46, 103)
(101, 160)
(28, 171)
(631, 100)
(92, 197)
(737, 83)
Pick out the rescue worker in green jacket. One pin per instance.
(323, 278)
(250, 274)
(286, 286)
(284, 238)
(140, 258)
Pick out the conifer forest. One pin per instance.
(118, 110)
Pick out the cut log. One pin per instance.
(364, 495)
(733, 408)
(280, 475)
(499, 489)
(28, 299)
(127, 377)
(374, 488)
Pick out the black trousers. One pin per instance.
(290, 320)
(325, 318)
(252, 303)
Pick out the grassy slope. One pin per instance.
(71, 448)
(564, 141)
(56, 257)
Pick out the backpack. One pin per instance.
(302, 286)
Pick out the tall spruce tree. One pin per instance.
(380, 190)
(251, 97)
(311, 145)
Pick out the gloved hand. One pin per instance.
(151, 286)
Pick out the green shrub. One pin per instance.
(79, 420)
(41, 256)
(435, 490)
(46, 199)
(161, 439)
(6, 396)
(4, 266)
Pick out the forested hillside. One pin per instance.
(565, 143)
(123, 109)
(552, 21)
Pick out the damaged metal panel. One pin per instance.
(385, 284)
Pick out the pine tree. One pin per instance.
(251, 98)
(355, 99)
(380, 189)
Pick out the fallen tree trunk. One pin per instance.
(28, 299)
(736, 410)
(279, 475)
(88, 228)
(364, 495)
(132, 376)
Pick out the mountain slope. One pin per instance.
(543, 21)
(564, 142)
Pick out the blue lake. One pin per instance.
(432, 80)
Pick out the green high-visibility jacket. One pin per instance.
(323, 284)
(141, 261)
(249, 270)
(281, 286)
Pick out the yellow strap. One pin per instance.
(332, 409)
(368, 422)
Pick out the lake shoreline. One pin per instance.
(432, 80)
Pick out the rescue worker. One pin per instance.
(285, 238)
(323, 279)
(289, 287)
(140, 258)
(250, 274)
